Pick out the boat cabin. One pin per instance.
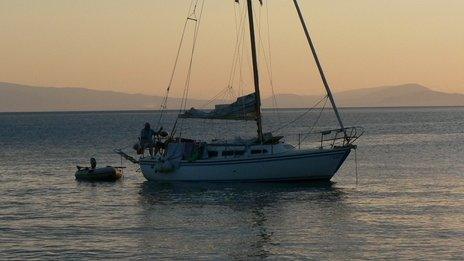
(209, 151)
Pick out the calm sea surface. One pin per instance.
(409, 203)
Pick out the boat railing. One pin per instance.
(330, 138)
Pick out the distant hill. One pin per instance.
(16, 97)
(385, 96)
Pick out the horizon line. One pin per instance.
(265, 109)
(197, 98)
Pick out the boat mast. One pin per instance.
(255, 70)
(319, 67)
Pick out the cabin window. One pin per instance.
(259, 151)
(212, 153)
(289, 147)
(228, 153)
(239, 152)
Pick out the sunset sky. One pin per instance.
(130, 45)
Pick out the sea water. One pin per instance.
(408, 203)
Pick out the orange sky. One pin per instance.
(129, 45)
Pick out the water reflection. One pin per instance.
(248, 214)
(237, 196)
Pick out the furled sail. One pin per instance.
(242, 109)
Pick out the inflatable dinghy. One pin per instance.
(107, 173)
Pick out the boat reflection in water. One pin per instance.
(254, 219)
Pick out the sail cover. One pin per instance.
(242, 109)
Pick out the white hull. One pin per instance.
(291, 166)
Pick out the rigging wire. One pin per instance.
(270, 56)
(238, 44)
(270, 69)
(189, 70)
(163, 105)
(316, 121)
(228, 90)
(301, 116)
(241, 80)
(215, 97)
(237, 63)
(267, 59)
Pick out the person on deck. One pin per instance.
(147, 138)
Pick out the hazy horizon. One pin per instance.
(129, 46)
(15, 97)
(321, 92)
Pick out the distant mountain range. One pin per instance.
(413, 95)
(16, 97)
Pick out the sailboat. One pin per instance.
(264, 157)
